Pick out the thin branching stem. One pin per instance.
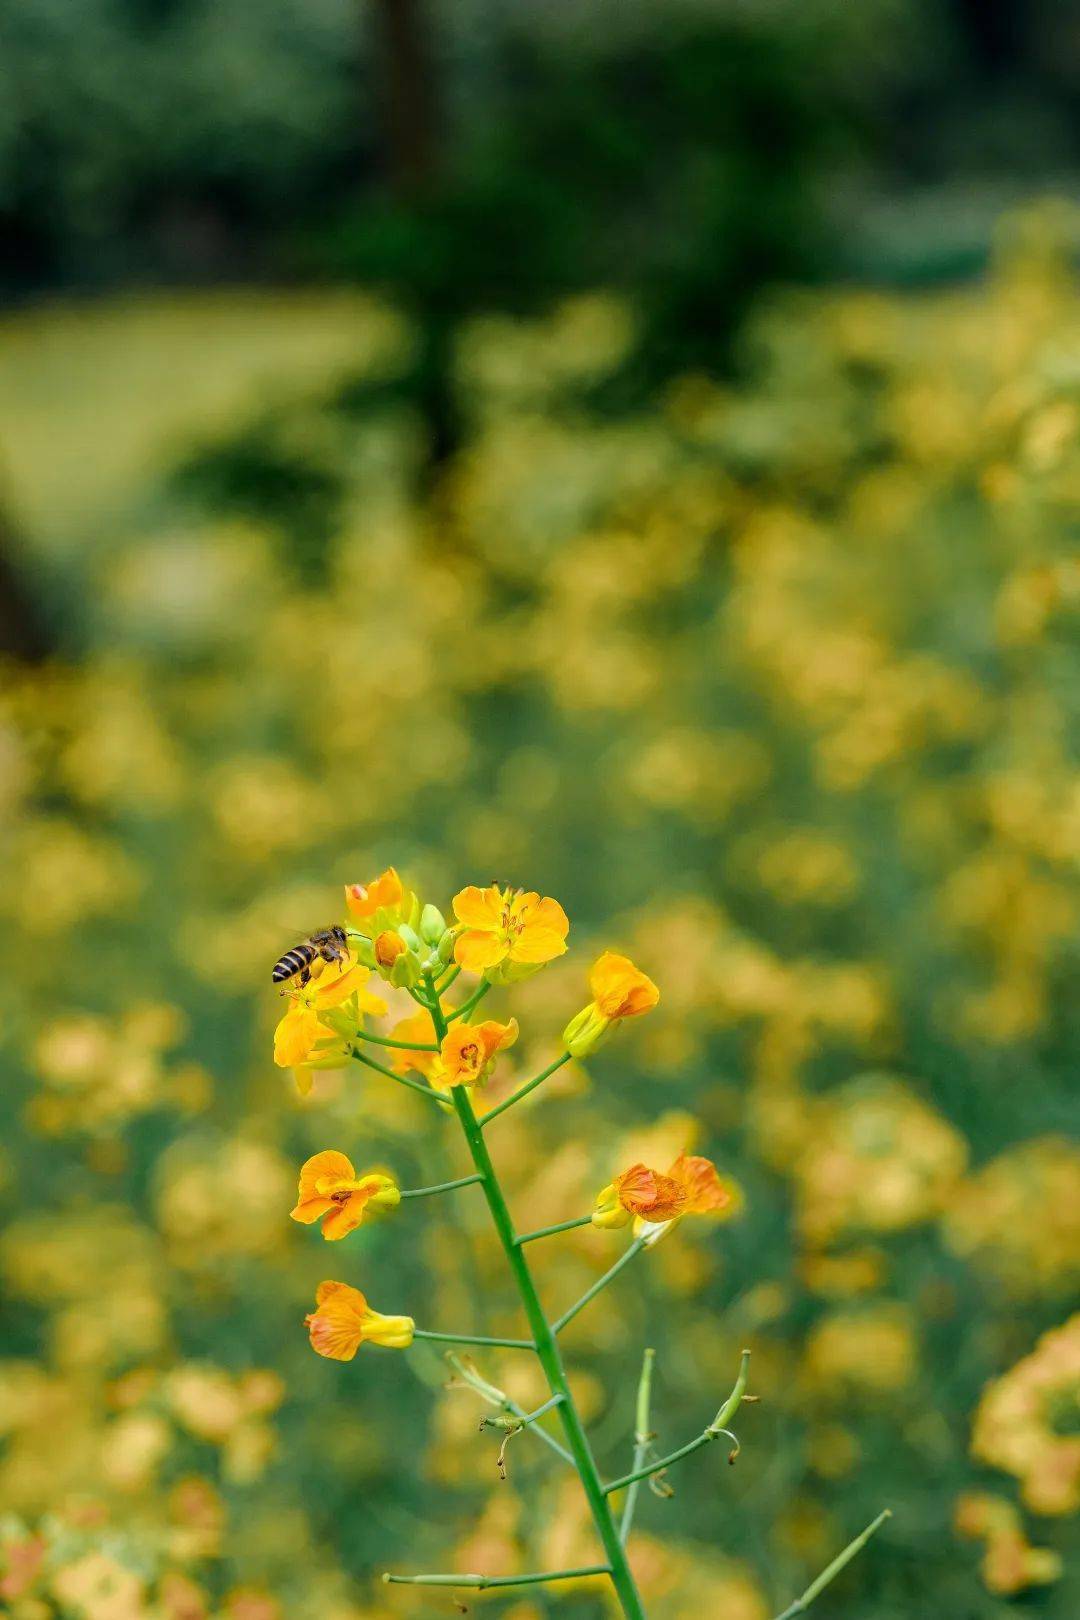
(499, 1397)
(601, 1283)
(440, 1187)
(467, 1006)
(474, 1338)
(549, 1231)
(801, 1604)
(480, 1582)
(642, 1441)
(402, 1079)
(523, 1091)
(718, 1426)
(405, 1046)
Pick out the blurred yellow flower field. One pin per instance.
(775, 685)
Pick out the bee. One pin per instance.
(329, 943)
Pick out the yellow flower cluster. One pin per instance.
(1027, 1422)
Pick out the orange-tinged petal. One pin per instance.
(345, 1218)
(476, 952)
(479, 908)
(311, 1210)
(468, 1050)
(636, 1188)
(336, 1326)
(328, 1290)
(495, 1036)
(706, 1193)
(647, 1193)
(329, 1164)
(619, 989)
(385, 890)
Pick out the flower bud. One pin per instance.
(609, 1213)
(432, 925)
(587, 1031)
(393, 1332)
(387, 947)
(445, 948)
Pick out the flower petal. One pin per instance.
(479, 908)
(309, 1210)
(295, 1036)
(330, 1163)
(345, 1218)
(476, 952)
(537, 942)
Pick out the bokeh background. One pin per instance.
(629, 450)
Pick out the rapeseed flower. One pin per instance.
(468, 1051)
(619, 990)
(506, 934)
(343, 1320)
(331, 1191)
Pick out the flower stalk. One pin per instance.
(481, 1582)
(816, 1587)
(502, 936)
(642, 1441)
(523, 1091)
(439, 1187)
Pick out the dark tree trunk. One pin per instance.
(408, 93)
(24, 631)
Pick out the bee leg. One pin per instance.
(303, 977)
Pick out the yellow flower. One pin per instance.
(1026, 1422)
(507, 935)
(620, 990)
(468, 1051)
(331, 1191)
(381, 905)
(343, 1320)
(655, 1201)
(301, 1030)
(419, 1028)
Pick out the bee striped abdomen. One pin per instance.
(301, 956)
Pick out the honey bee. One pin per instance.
(329, 943)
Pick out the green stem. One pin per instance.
(609, 1276)
(479, 1582)
(547, 1350)
(642, 1470)
(467, 1006)
(549, 1231)
(499, 1398)
(816, 1587)
(523, 1091)
(642, 1439)
(402, 1079)
(405, 1046)
(446, 978)
(440, 1187)
(474, 1338)
(555, 1400)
